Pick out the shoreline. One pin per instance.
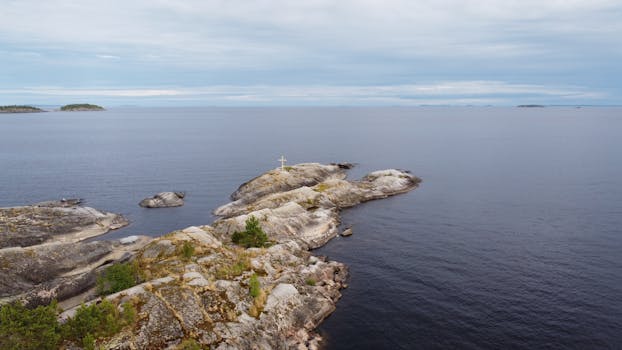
(298, 208)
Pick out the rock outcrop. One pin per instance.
(54, 221)
(41, 273)
(206, 296)
(43, 253)
(200, 285)
(307, 214)
(164, 200)
(201, 289)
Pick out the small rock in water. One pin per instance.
(347, 232)
(63, 203)
(164, 200)
(128, 240)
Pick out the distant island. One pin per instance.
(81, 108)
(530, 106)
(20, 109)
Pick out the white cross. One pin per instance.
(282, 160)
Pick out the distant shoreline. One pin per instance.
(20, 109)
(84, 107)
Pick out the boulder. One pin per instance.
(347, 232)
(164, 200)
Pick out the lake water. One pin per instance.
(513, 240)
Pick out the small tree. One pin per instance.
(117, 277)
(253, 236)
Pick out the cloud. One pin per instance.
(458, 92)
(314, 43)
(108, 57)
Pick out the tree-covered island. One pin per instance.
(20, 109)
(81, 107)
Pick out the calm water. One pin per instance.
(514, 240)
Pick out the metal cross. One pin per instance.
(282, 160)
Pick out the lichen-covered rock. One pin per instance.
(164, 200)
(206, 297)
(277, 180)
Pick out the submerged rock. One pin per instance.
(164, 200)
(347, 232)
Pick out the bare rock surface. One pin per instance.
(164, 200)
(54, 221)
(308, 215)
(38, 274)
(44, 255)
(278, 180)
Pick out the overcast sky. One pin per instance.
(311, 52)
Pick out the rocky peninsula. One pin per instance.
(82, 107)
(201, 290)
(20, 109)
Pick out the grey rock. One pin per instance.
(164, 200)
(53, 221)
(347, 232)
(277, 180)
(39, 274)
(129, 239)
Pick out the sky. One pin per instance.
(311, 52)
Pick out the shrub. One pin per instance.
(189, 344)
(310, 281)
(88, 342)
(25, 329)
(117, 278)
(254, 286)
(235, 269)
(253, 236)
(187, 250)
(34, 329)
(97, 321)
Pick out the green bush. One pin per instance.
(254, 286)
(38, 329)
(88, 342)
(187, 250)
(117, 278)
(25, 329)
(253, 236)
(190, 344)
(97, 321)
